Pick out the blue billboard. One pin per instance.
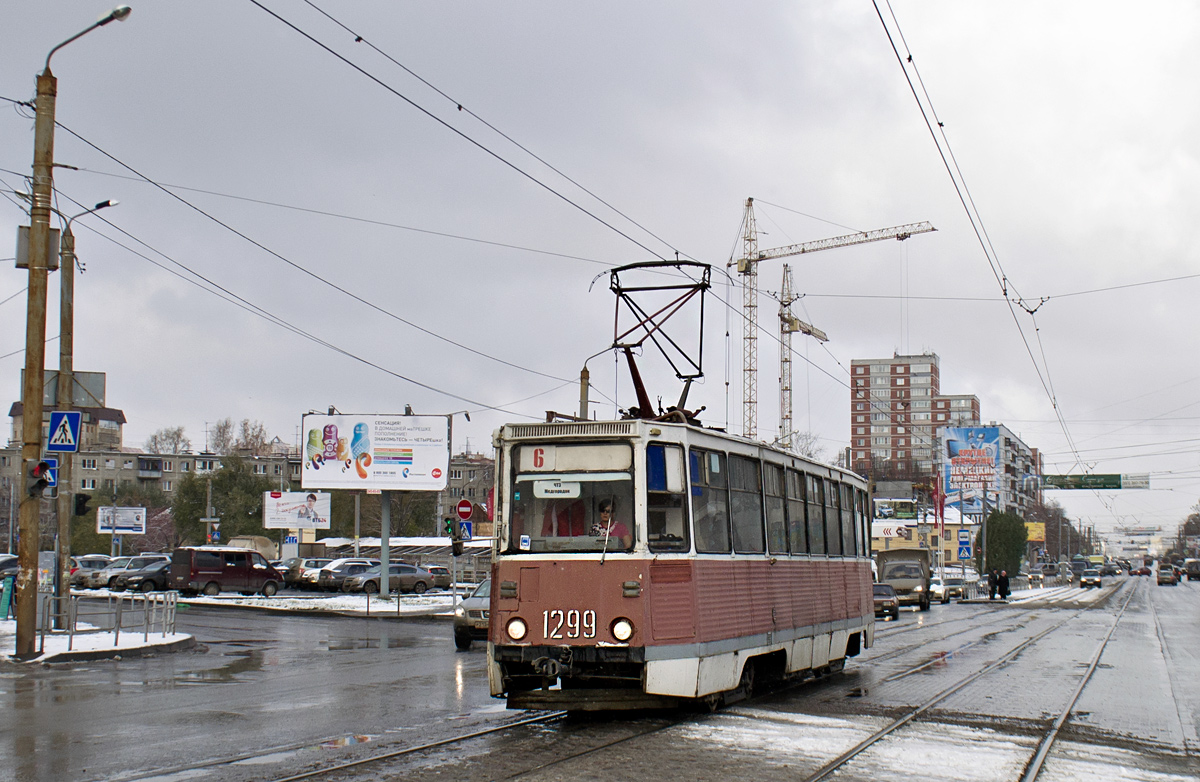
(971, 465)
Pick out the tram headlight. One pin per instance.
(622, 629)
(517, 628)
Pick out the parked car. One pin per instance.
(331, 576)
(107, 578)
(1167, 575)
(1090, 578)
(297, 567)
(216, 569)
(441, 576)
(471, 616)
(85, 566)
(886, 601)
(8, 565)
(401, 578)
(152, 578)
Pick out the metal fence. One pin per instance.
(144, 613)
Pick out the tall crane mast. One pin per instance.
(789, 324)
(747, 266)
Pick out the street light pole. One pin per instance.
(66, 399)
(35, 340)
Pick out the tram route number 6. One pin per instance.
(553, 622)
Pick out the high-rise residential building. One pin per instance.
(896, 408)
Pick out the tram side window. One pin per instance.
(710, 502)
(864, 524)
(797, 535)
(777, 531)
(745, 495)
(666, 506)
(833, 522)
(849, 538)
(816, 514)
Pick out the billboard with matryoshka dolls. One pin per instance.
(376, 452)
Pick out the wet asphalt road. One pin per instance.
(304, 687)
(256, 681)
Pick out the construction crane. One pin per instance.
(747, 266)
(789, 324)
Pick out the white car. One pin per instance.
(937, 590)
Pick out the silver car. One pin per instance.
(87, 565)
(471, 616)
(108, 576)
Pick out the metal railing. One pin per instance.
(148, 612)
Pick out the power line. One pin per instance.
(455, 130)
(359, 38)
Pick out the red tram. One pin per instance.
(718, 560)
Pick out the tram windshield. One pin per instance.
(572, 499)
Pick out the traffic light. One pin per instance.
(449, 527)
(81, 504)
(37, 477)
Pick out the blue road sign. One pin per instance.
(464, 530)
(964, 536)
(964, 552)
(64, 431)
(52, 477)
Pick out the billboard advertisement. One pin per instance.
(971, 464)
(296, 510)
(376, 452)
(120, 521)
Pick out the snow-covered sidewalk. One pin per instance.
(87, 644)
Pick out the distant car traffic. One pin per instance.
(886, 601)
(296, 568)
(85, 566)
(471, 616)
(331, 576)
(441, 576)
(401, 577)
(152, 578)
(1167, 575)
(1090, 578)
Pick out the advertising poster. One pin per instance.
(296, 510)
(376, 452)
(120, 521)
(971, 463)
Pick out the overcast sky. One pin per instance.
(1074, 125)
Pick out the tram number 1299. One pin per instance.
(576, 624)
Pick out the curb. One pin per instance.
(111, 654)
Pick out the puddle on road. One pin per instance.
(243, 662)
(274, 757)
(350, 644)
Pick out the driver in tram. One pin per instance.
(609, 528)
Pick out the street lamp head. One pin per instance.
(120, 14)
(106, 204)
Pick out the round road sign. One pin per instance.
(464, 510)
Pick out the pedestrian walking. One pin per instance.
(992, 579)
(1002, 585)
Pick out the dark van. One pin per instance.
(216, 569)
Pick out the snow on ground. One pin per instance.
(85, 641)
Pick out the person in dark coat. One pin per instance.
(992, 579)
(1002, 585)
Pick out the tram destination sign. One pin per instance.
(1137, 481)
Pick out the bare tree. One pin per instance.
(252, 438)
(168, 440)
(220, 437)
(807, 444)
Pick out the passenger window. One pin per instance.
(745, 496)
(666, 510)
(236, 559)
(257, 560)
(833, 522)
(816, 514)
(777, 532)
(797, 535)
(849, 539)
(710, 502)
(208, 560)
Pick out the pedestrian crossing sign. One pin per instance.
(64, 431)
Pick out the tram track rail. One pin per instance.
(1037, 760)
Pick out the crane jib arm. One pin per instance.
(899, 232)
